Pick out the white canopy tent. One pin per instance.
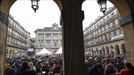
(30, 50)
(44, 52)
(59, 51)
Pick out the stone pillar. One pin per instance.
(73, 45)
(114, 50)
(3, 30)
(129, 40)
(121, 51)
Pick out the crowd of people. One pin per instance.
(46, 65)
(52, 65)
(110, 65)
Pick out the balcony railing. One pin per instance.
(106, 22)
(16, 45)
(106, 31)
(104, 42)
(17, 37)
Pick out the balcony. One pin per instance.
(117, 37)
(16, 45)
(120, 37)
(106, 22)
(106, 31)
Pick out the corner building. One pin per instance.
(105, 35)
(49, 38)
(17, 39)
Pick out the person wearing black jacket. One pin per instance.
(26, 70)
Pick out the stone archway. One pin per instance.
(127, 23)
(4, 12)
(121, 5)
(72, 17)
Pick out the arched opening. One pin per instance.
(4, 9)
(100, 51)
(123, 48)
(10, 53)
(92, 51)
(97, 51)
(112, 50)
(117, 50)
(107, 49)
(40, 22)
(126, 23)
(121, 5)
(103, 51)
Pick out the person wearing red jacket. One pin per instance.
(129, 70)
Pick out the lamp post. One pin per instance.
(103, 6)
(35, 5)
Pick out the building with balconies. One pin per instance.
(49, 38)
(17, 38)
(105, 35)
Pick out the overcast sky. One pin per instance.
(49, 13)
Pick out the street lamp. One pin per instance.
(35, 4)
(103, 6)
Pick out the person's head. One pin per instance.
(7, 65)
(39, 64)
(118, 59)
(110, 66)
(31, 64)
(26, 65)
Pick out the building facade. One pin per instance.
(49, 38)
(31, 50)
(105, 35)
(17, 39)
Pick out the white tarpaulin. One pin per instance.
(30, 50)
(44, 52)
(59, 51)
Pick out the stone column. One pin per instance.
(73, 45)
(129, 40)
(127, 23)
(3, 30)
(120, 49)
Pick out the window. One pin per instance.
(48, 35)
(110, 25)
(117, 21)
(41, 37)
(103, 29)
(114, 23)
(120, 31)
(55, 34)
(106, 27)
(112, 13)
(114, 33)
(55, 44)
(107, 17)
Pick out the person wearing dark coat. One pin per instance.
(10, 71)
(97, 70)
(109, 69)
(26, 70)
